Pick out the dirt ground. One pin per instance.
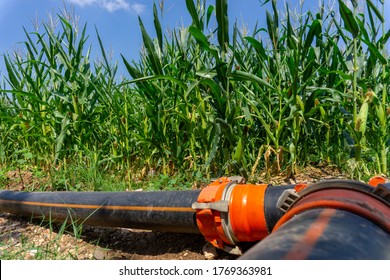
(21, 238)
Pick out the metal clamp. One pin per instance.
(383, 191)
(287, 198)
(221, 206)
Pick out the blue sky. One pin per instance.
(117, 20)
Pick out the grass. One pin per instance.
(50, 241)
(203, 100)
(79, 178)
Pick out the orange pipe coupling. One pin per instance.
(228, 212)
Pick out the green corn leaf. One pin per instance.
(264, 2)
(244, 76)
(315, 30)
(68, 33)
(374, 50)
(46, 49)
(136, 74)
(210, 11)
(30, 41)
(132, 70)
(266, 126)
(292, 39)
(239, 59)
(203, 42)
(12, 75)
(363, 30)
(66, 23)
(372, 6)
(235, 35)
(214, 144)
(199, 37)
(373, 24)
(259, 114)
(223, 23)
(31, 96)
(80, 48)
(153, 78)
(153, 57)
(383, 40)
(276, 13)
(349, 19)
(258, 46)
(216, 90)
(247, 113)
(237, 155)
(340, 31)
(157, 26)
(194, 14)
(103, 51)
(61, 138)
(272, 30)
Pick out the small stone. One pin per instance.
(99, 254)
(209, 252)
(32, 252)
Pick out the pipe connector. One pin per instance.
(369, 201)
(229, 212)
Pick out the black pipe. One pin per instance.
(330, 220)
(271, 212)
(324, 233)
(164, 211)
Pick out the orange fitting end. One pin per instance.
(229, 212)
(208, 219)
(376, 180)
(299, 187)
(246, 212)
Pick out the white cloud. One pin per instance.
(114, 5)
(82, 3)
(111, 5)
(138, 8)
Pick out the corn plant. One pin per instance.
(54, 94)
(208, 98)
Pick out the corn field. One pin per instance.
(305, 89)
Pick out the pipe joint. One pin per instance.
(229, 212)
(371, 202)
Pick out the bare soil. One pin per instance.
(21, 238)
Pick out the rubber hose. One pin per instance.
(324, 234)
(163, 211)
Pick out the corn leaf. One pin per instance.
(349, 19)
(153, 57)
(258, 46)
(194, 14)
(223, 23)
(215, 142)
(210, 11)
(245, 76)
(372, 6)
(315, 30)
(157, 26)
(374, 50)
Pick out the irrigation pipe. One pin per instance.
(337, 219)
